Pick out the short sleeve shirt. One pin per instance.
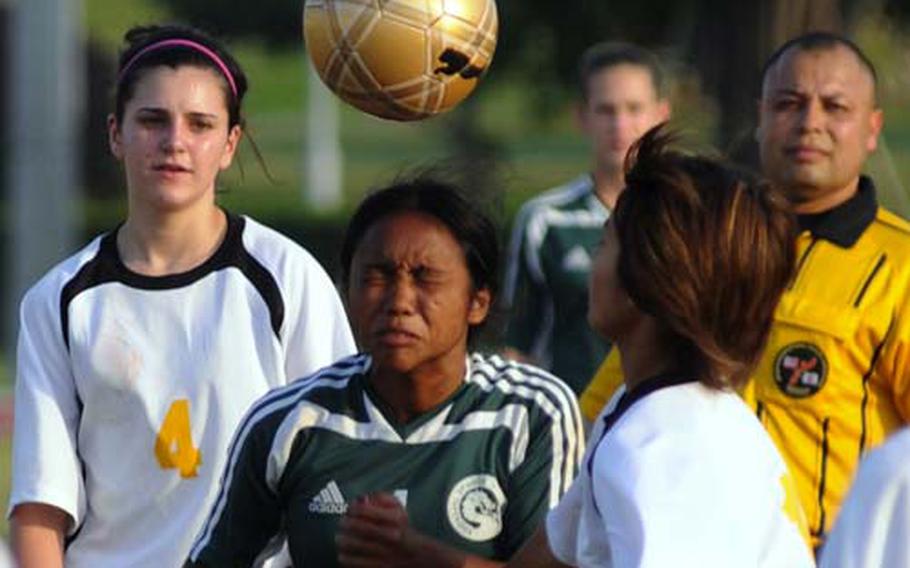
(129, 387)
(477, 473)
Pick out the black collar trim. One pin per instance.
(227, 250)
(107, 266)
(630, 397)
(640, 391)
(844, 224)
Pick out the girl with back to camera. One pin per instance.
(139, 354)
(680, 472)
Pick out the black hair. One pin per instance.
(140, 37)
(443, 200)
(822, 41)
(608, 54)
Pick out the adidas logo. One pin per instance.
(329, 501)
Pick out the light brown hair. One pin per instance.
(707, 250)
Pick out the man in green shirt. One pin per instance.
(555, 234)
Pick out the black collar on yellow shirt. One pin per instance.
(844, 224)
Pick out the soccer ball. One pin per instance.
(401, 59)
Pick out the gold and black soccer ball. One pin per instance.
(401, 59)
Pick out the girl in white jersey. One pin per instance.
(138, 355)
(679, 472)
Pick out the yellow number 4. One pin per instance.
(174, 447)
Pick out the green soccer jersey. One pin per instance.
(478, 472)
(546, 286)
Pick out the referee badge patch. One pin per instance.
(475, 507)
(800, 369)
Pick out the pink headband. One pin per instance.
(184, 43)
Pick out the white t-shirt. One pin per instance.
(683, 476)
(129, 387)
(873, 527)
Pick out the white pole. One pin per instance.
(46, 82)
(323, 158)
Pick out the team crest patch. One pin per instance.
(475, 507)
(800, 369)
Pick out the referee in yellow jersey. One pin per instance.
(835, 377)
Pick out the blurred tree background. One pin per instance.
(520, 119)
(519, 124)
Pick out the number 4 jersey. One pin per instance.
(478, 472)
(130, 387)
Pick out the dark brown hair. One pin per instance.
(134, 63)
(707, 250)
(141, 37)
